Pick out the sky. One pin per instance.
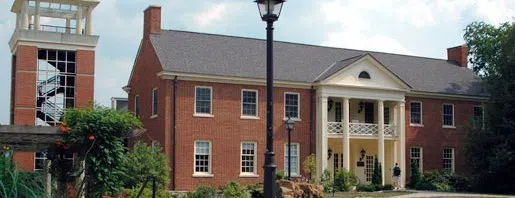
(414, 27)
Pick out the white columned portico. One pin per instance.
(346, 139)
(380, 139)
(402, 142)
(25, 14)
(37, 16)
(78, 22)
(89, 22)
(321, 148)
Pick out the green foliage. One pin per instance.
(327, 181)
(378, 187)
(376, 176)
(344, 180)
(425, 185)
(365, 188)
(310, 167)
(234, 190)
(442, 181)
(15, 184)
(147, 192)
(415, 175)
(104, 155)
(204, 192)
(388, 187)
(490, 145)
(280, 175)
(143, 161)
(256, 190)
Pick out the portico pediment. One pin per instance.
(362, 71)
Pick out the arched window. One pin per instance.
(364, 74)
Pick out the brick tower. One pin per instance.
(53, 64)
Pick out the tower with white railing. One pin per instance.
(53, 63)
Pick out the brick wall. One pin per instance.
(433, 138)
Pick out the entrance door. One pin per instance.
(369, 112)
(369, 167)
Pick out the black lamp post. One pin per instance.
(289, 125)
(269, 11)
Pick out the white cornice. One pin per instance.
(423, 94)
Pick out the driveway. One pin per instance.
(445, 194)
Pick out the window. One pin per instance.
(291, 105)
(448, 115)
(55, 85)
(478, 114)
(416, 157)
(248, 158)
(136, 105)
(39, 160)
(448, 159)
(249, 104)
(338, 111)
(203, 100)
(386, 115)
(202, 157)
(154, 102)
(364, 75)
(416, 113)
(294, 159)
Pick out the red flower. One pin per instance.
(91, 137)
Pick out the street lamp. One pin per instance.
(289, 125)
(269, 11)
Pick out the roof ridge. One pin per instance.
(305, 44)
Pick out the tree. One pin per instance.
(415, 175)
(144, 161)
(377, 177)
(310, 167)
(490, 146)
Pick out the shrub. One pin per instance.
(365, 188)
(377, 177)
(343, 180)
(425, 185)
(234, 190)
(204, 192)
(256, 190)
(443, 187)
(446, 181)
(280, 175)
(144, 161)
(415, 175)
(388, 187)
(147, 192)
(327, 181)
(310, 167)
(378, 187)
(14, 183)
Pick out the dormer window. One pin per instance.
(364, 74)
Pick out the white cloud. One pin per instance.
(496, 11)
(212, 15)
(417, 13)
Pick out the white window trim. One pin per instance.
(293, 174)
(250, 117)
(421, 165)
(254, 174)
(210, 167)
(203, 115)
(298, 106)
(153, 114)
(421, 114)
(453, 126)
(482, 113)
(453, 157)
(136, 104)
(35, 159)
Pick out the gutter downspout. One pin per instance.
(174, 101)
(313, 120)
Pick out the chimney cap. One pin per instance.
(459, 46)
(151, 6)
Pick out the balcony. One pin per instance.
(335, 129)
(53, 28)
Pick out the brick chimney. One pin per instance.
(152, 20)
(458, 54)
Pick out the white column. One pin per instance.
(89, 22)
(380, 132)
(402, 142)
(37, 17)
(68, 25)
(321, 147)
(25, 14)
(78, 21)
(346, 134)
(18, 20)
(48, 178)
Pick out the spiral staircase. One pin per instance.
(48, 110)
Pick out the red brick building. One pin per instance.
(202, 97)
(53, 67)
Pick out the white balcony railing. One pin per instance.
(360, 129)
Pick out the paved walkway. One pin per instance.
(446, 194)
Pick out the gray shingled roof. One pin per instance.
(199, 53)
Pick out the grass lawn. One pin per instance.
(365, 194)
